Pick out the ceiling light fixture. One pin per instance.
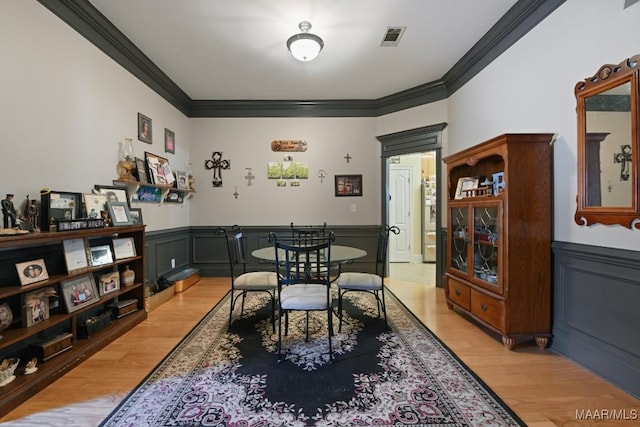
(305, 46)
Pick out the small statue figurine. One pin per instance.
(31, 367)
(9, 212)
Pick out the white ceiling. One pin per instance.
(235, 49)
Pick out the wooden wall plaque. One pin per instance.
(289, 145)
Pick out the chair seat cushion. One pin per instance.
(304, 297)
(359, 281)
(257, 280)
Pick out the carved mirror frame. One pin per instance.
(591, 207)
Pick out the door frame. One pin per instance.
(418, 140)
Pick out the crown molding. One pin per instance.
(95, 27)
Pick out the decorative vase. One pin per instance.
(127, 277)
(6, 316)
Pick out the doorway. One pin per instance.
(413, 208)
(417, 142)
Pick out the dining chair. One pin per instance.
(304, 233)
(303, 284)
(242, 281)
(372, 283)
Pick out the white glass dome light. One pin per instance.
(305, 46)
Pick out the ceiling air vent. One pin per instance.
(392, 36)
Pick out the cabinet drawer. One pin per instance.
(458, 293)
(488, 309)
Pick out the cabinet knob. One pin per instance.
(483, 307)
(458, 292)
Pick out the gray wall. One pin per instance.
(595, 310)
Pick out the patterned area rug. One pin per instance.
(403, 376)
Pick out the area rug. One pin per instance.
(401, 376)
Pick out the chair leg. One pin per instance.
(231, 304)
(384, 310)
(330, 332)
(244, 296)
(280, 338)
(273, 311)
(306, 337)
(340, 293)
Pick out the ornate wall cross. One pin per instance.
(624, 158)
(217, 164)
(249, 176)
(348, 157)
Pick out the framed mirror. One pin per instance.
(608, 143)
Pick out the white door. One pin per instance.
(400, 213)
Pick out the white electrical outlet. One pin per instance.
(353, 208)
(173, 263)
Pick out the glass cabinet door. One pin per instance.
(459, 220)
(486, 237)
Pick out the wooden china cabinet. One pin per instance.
(499, 235)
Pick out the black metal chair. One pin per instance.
(368, 282)
(304, 233)
(303, 284)
(242, 281)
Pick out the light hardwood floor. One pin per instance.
(544, 389)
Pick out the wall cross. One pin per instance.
(217, 164)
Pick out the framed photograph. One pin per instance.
(32, 271)
(75, 255)
(101, 255)
(465, 183)
(141, 167)
(114, 193)
(136, 215)
(149, 194)
(160, 172)
(174, 197)
(35, 306)
(109, 282)
(79, 292)
(119, 213)
(182, 181)
(348, 185)
(169, 141)
(60, 206)
(144, 129)
(94, 204)
(124, 247)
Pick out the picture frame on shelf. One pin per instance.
(119, 214)
(114, 193)
(94, 204)
(144, 129)
(141, 167)
(79, 292)
(136, 215)
(59, 205)
(160, 172)
(174, 196)
(75, 255)
(32, 271)
(35, 306)
(465, 183)
(182, 181)
(101, 255)
(169, 141)
(109, 282)
(124, 247)
(348, 185)
(149, 194)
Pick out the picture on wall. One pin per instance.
(144, 128)
(169, 141)
(348, 185)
